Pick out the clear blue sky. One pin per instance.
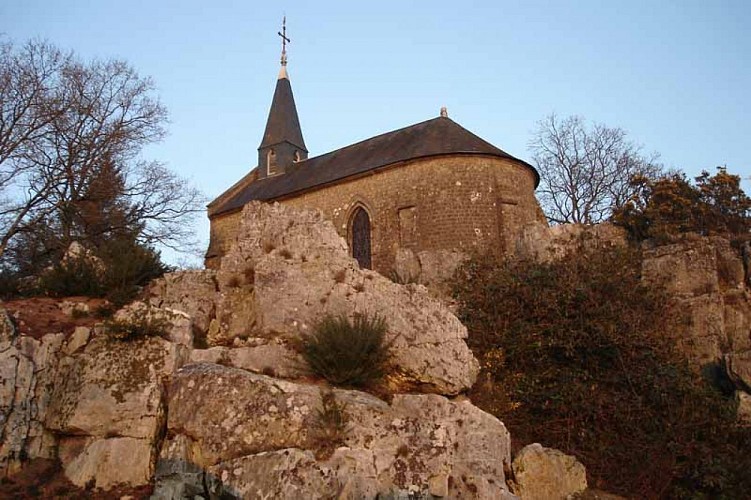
(675, 74)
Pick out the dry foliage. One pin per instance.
(577, 355)
(663, 208)
(330, 427)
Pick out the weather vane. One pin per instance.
(283, 34)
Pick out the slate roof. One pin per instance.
(283, 123)
(438, 136)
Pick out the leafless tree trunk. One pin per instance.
(585, 171)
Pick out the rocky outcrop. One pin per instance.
(190, 291)
(254, 435)
(200, 389)
(28, 372)
(95, 404)
(287, 270)
(107, 409)
(433, 268)
(706, 279)
(542, 243)
(547, 474)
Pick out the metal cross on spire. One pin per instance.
(283, 34)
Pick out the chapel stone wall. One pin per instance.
(460, 202)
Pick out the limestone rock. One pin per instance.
(77, 340)
(253, 436)
(543, 243)
(70, 308)
(547, 474)
(289, 268)
(7, 329)
(705, 278)
(28, 372)
(176, 324)
(744, 406)
(438, 268)
(189, 291)
(407, 267)
(267, 356)
(177, 475)
(109, 400)
(109, 462)
(737, 320)
(237, 316)
(703, 335)
(686, 269)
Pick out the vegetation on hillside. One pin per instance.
(577, 355)
(662, 208)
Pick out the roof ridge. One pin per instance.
(377, 137)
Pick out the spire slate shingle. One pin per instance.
(283, 125)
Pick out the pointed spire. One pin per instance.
(283, 124)
(282, 139)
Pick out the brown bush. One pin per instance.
(576, 354)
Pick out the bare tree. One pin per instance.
(28, 79)
(71, 136)
(585, 171)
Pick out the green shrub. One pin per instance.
(344, 352)
(141, 324)
(117, 271)
(577, 354)
(127, 267)
(77, 276)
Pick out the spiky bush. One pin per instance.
(350, 353)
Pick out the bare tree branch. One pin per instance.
(71, 136)
(585, 171)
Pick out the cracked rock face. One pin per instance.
(706, 280)
(28, 371)
(107, 409)
(252, 435)
(289, 268)
(223, 406)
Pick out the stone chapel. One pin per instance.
(427, 187)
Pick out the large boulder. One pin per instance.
(288, 268)
(107, 408)
(256, 435)
(547, 474)
(28, 373)
(542, 243)
(191, 291)
(705, 280)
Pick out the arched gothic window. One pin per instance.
(360, 238)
